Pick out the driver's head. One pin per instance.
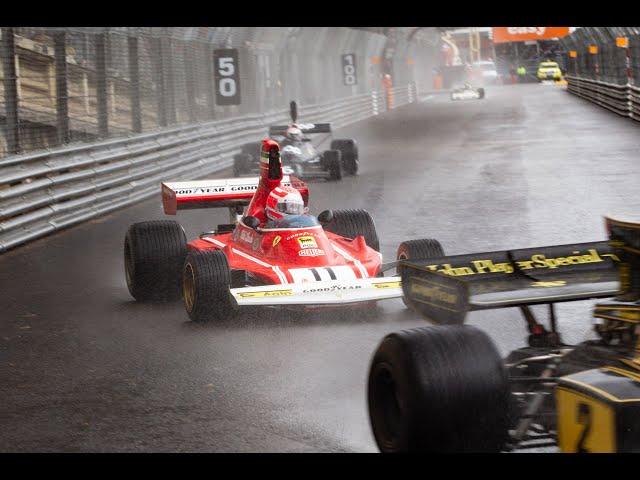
(283, 201)
(294, 133)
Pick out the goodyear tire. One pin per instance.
(438, 389)
(206, 280)
(241, 164)
(252, 149)
(423, 248)
(351, 223)
(349, 150)
(153, 256)
(333, 164)
(481, 92)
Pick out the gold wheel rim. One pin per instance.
(189, 287)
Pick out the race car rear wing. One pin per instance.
(218, 193)
(445, 289)
(305, 127)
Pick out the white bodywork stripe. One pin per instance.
(341, 272)
(278, 272)
(215, 242)
(349, 258)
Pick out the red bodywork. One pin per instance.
(292, 255)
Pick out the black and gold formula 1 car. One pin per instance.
(446, 388)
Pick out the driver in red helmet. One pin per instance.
(285, 209)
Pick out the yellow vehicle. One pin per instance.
(549, 71)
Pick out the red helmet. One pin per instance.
(283, 201)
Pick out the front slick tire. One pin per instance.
(438, 389)
(421, 249)
(153, 256)
(206, 281)
(333, 164)
(349, 151)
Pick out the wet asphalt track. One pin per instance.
(85, 368)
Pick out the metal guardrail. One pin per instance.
(634, 100)
(46, 191)
(617, 98)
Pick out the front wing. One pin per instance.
(331, 292)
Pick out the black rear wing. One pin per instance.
(281, 130)
(445, 289)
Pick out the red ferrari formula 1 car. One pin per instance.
(265, 257)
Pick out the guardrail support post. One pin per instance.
(170, 91)
(134, 84)
(158, 74)
(210, 83)
(101, 85)
(190, 75)
(62, 93)
(8, 54)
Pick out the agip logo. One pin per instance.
(307, 242)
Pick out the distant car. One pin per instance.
(549, 71)
(489, 72)
(467, 92)
(300, 156)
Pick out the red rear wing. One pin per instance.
(218, 193)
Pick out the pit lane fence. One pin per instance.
(50, 190)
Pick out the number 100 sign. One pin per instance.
(349, 73)
(225, 67)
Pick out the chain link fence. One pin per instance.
(594, 53)
(93, 119)
(603, 66)
(83, 84)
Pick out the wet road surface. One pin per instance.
(85, 368)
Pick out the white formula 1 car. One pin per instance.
(467, 92)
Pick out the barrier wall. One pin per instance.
(46, 191)
(94, 119)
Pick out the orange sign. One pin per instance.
(573, 53)
(622, 42)
(522, 34)
(375, 60)
(593, 49)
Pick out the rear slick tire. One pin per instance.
(153, 256)
(351, 223)
(438, 389)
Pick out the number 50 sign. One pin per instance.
(225, 66)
